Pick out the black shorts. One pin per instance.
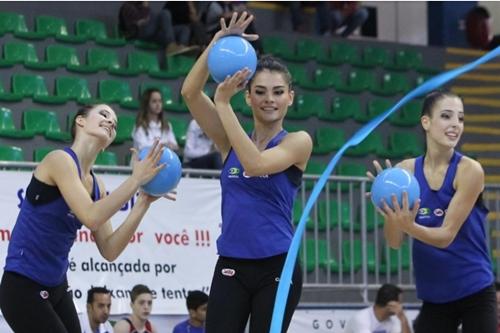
(242, 288)
(29, 307)
(477, 313)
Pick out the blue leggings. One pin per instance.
(29, 307)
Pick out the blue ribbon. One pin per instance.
(286, 275)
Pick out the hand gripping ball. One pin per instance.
(168, 177)
(394, 181)
(229, 55)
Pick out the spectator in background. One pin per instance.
(333, 15)
(386, 315)
(200, 151)
(185, 14)
(95, 320)
(479, 31)
(217, 9)
(141, 302)
(137, 21)
(196, 302)
(151, 124)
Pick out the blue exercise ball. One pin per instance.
(394, 181)
(168, 177)
(229, 55)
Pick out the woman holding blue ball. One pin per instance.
(453, 271)
(64, 194)
(261, 174)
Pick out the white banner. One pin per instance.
(172, 251)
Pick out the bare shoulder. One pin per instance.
(55, 163)
(469, 167)
(408, 165)
(300, 138)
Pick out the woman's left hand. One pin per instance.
(149, 199)
(231, 85)
(400, 216)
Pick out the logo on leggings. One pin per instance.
(228, 272)
(44, 294)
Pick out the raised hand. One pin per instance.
(231, 85)
(144, 170)
(237, 26)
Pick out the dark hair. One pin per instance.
(142, 116)
(432, 98)
(195, 299)
(497, 284)
(137, 290)
(271, 64)
(96, 290)
(386, 293)
(83, 111)
(477, 29)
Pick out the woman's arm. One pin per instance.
(200, 105)
(469, 182)
(60, 169)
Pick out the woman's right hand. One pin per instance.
(144, 170)
(237, 26)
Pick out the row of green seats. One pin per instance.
(338, 53)
(68, 88)
(356, 81)
(334, 213)
(16, 154)
(46, 123)
(319, 254)
(97, 59)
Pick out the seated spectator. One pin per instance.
(141, 302)
(479, 31)
(214, 10)
(386, 315)
(95, 320)
(137, 21)
(333, 15)
(196, 302)
(150, 123)
(200, 151)
(186, 18)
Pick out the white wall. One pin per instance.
(401, 21)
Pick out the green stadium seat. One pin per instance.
(40, 153)
(6, 96)
(373, 144)
(408, 59)
(326, 77)
(143, 62)
(247, 126)
(408, 116)
(179, 65)
(358, 81)
(103, 59)
(374, 108)
(50, 26)
(393, 260)
(24, 53)
(340, 53)
(106, 158)
(313, 168)
(328, 140)
(116, 91)
(309, 49)
(373, 219)
(33, 86)
(141, 44)
(124, 129)
(343, 108)
(392, 84)
(95, 30)
(350, 169)
(166, 91)
(352, 255)
(46, 123)
(305, 106)
(11, 153)
(402, 144)
(300, 76)
(279, 47)
(297, 214)
(333, 213)
(239, 103)
(8, 129)
(317, 254)
(12, 22)
(372, 57)
(179, 126)
(73, 88)
(66, 56)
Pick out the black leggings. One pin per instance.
(251, 290)
(477, 313)
(29, 307)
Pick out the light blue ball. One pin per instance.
(394, 181)
(229, 55)
(167, 179)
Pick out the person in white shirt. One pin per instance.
(95, 320)
(200, 151)
(385, 316)
(151, 124)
